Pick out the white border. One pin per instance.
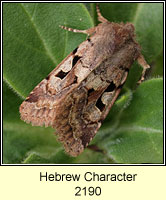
(2, 81)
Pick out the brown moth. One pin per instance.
(77, 95)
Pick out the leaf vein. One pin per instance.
(39, 35)
(139, 128)
(138, 10)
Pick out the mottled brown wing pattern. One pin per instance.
(77, 95)
(40, 106)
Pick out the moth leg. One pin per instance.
(141, 61)
(89, 31)
(100, 17)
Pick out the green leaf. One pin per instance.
(33, 44)
(157, 69)
(137, 134)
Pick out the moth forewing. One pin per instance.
(78, 94)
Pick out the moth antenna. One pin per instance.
(100, 17)
(88, 32)
(141, 61)
(73, 30)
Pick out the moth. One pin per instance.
(77, 95)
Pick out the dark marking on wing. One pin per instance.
(90, 91)
(32, 98)
(75, 50)
(99, 104)
(75, 79)
(111, 87)
(75, 60)
(62, 74)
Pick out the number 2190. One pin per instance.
(88, 191)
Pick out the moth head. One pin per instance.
(123, 33)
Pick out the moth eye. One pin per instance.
(75, 60)
(62, 74)
(111, 87)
